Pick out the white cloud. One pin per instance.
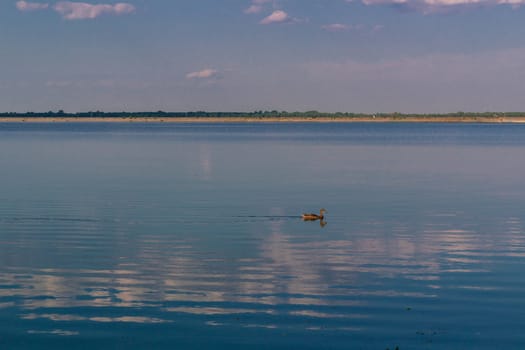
(277, 16)
(30, 6)
(81, 10)
(202, 74)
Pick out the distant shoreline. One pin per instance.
(366, 119)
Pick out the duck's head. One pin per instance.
(322, 211)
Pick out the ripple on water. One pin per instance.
(192, 240)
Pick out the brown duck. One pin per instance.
(313, 217)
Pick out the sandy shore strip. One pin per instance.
(405, 119)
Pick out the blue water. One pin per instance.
(182, 236)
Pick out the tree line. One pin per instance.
(254, 114)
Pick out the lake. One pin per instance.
(189, 236)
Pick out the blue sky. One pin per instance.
(245, 55)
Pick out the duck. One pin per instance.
(313, 217)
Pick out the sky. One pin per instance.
(372, 56)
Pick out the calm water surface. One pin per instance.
(189, 236)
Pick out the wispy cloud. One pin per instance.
(377, 28)
(427, 68)
(207, 73)
(58, 83)
(256, 6)
(436, 6)
(389, 2)
(83, 84)
(431, 82)
(336, 27)
(82, 10)
(253, 9)
(513, 3)
(30, 6)
(277, 16)
(339, 27)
